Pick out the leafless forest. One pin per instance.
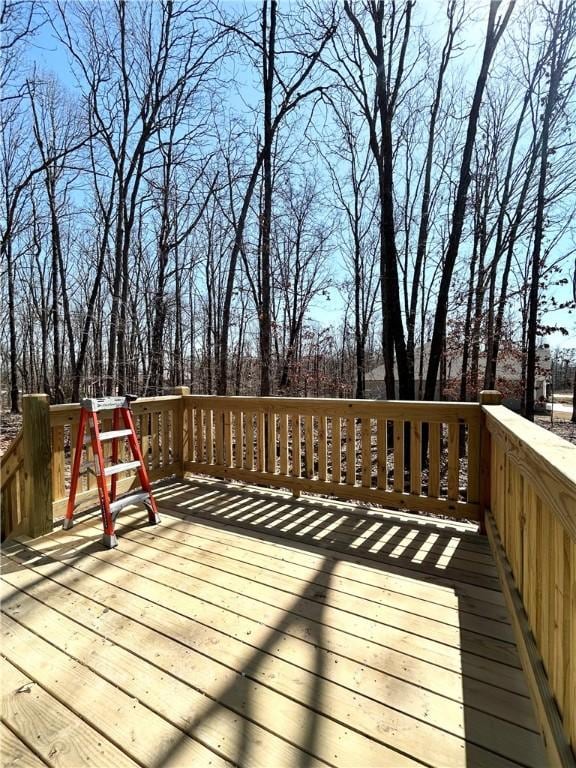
(187, 187)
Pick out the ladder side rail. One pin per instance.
(108, 523)
(75, 470)
(142, 472)
(114, 481)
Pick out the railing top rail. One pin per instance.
(66, 407)
(548, 460)
(12, 448)
(392, 409)
(11, 460)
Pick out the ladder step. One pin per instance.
(95, 404)
(115, 433)
(134, 498)
(117, 468)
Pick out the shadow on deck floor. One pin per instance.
(254, 629)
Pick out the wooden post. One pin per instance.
(486, 397)
(180, 435)
(37, 450)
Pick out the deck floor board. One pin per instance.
(240, 631)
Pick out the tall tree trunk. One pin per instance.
(268, 64)
(556, 72)
(493, 35)
(14, 394)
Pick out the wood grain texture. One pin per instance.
(14, 753)
(37, 452)
(58, 735)
(270, 637)
(549, 719)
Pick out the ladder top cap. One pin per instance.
(94, 404)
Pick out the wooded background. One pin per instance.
(187, 186)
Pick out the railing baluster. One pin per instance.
(195, 427)
(473, 453)
(415, 458)
(381, 454)
(249, 425)
(219, 436)
(453, 461)
(366, 452)
(261, 448)
(283, 437)
(58, 488)
(309, 441)
(322, 448)
(271, 442)
(238, 439)
(296, 445)
(434, 460)
(351, 451)
(228, 458)
(208, 416)
(399, 456)
(156, 442)
(336, 450)
(165, 439)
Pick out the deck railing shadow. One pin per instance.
(482, 643)
(459, 460)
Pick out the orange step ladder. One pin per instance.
(110, 506)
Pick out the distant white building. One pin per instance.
(508, 379)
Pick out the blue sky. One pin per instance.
(48, 55)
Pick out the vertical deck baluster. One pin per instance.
(309, 441)
(382, 454)
(473, 484)
(196, 437)
(155, 441)
(434, 460)
(453, 461)
(58, 487)
(283, 437)
(261, 440)
(208, 417)
(271, 442)
(249, 427)
(228, 458)
(399, 456)
(322, 448)
(350, 451)
(336, 450)
(238, 438)
(219, 437)
(415, 458)
(296, 445)
(366, 452)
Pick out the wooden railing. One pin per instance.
(12, 493)
(533, 521)
(406, 455)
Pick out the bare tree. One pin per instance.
(561, 22)
(289, 85)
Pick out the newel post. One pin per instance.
(180, 431)
(486, 397)
(37, 450)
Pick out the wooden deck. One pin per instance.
(257, 630)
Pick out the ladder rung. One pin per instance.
(115, 433)
(116, 468)
(135, 498)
